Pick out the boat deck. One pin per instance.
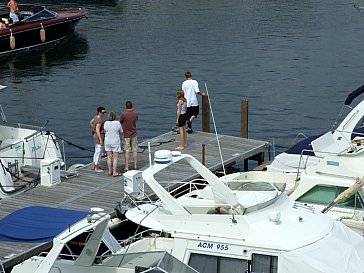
(90, 189)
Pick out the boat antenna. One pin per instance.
(213, 122)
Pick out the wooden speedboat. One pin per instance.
(37, 26)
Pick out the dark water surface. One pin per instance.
(295, 61)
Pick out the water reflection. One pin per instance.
(40, 61)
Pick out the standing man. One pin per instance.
(128, 120)
(14, 10)
(97, 125)
(190, 88)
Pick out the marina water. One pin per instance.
(295, 61)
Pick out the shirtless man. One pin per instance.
(13, 11)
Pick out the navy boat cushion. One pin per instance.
(37, 224)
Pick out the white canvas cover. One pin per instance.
(341, 251)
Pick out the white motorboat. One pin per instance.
(88, 246)
(338, 152)
(212, 227)
(321, 193)
(24, 149)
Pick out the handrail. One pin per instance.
(3, 114)
(2, 267)
(10, 145)
(23, 125)
(295, 139)
(193, 186)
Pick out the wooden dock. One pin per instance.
(90, 189)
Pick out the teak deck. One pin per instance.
(90, 189)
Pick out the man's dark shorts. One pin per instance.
(193, 111)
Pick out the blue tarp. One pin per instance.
(37, 224)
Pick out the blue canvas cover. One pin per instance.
(37, 224)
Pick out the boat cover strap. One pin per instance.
(37, 224)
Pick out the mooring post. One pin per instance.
(244, 119)
(244, 126)
(203, 154)
(205, 114)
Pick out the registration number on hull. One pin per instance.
(213, 246)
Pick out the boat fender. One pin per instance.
(12, 40)
(75, 167)
(42, 33)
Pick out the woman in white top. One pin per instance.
(113, 132)
(181, 119)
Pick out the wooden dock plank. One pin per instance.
(90, 189)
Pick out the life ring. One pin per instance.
(42, 33)
(12, 40)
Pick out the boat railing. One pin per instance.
(187, 187)
(304, 160)
(3, 117)
(67, 256)
(304, 206)
(179, 189)
(24, 126)
(299, 135)
(6, 146)
(305, 153)
(2, 267)
(20, 125)
(216, 208)
(34, 135)
(124, 243)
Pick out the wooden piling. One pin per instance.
(244, 119)
(203, 160)
(205, 114)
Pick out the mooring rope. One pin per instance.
(217, 137)
(74, 145)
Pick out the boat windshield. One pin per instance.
(158, 261)
(325, 194)
(40, 16)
